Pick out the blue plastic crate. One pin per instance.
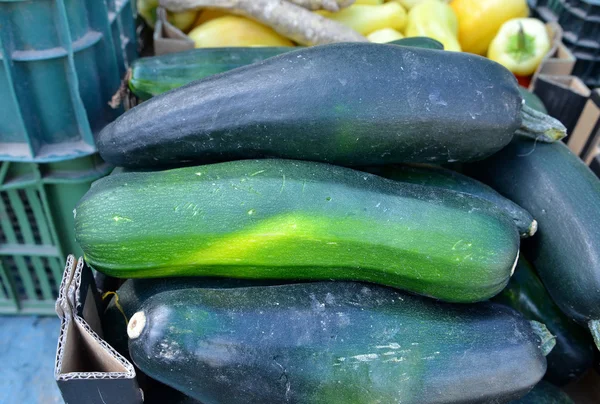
(60, 63)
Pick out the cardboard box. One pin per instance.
(564, 97)
(87, 369)
(559, 61)
(589, 126)
(167, 37)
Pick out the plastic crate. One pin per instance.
(580, 19)
(36, 228)
(587, 67)
(60, 63)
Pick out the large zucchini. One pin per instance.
(564, 197)
(134, 292)
(345, 103)
(290, 219)
(574, 351)
(544, 393)
(444, 178)
(334, 342)
(151, 76)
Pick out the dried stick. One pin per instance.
(329, 5)
(289, 20)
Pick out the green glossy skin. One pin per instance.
(443, 178)
(134, 292)
(544, 393)
(346, 103)
(419, 42)
(532, 100)
(155, 75)
(152, 76)
(285, 219)
(335, 342)
(573, 353)
(563, 195)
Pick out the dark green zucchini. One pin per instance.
(345, 103)
(563, 195)
(419, 42)
(532, 100)
(544, 393)
(574, 351)
(152, 76)
(155, 75)
(444, 178)
(286, 219)
(334, 342)
(134, 292)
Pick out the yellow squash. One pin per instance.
(407, 4)
(480, 20)
(232, 30)
(435, 19)
(209, 14)
(183, 21)
(366, 19)
(384, 35)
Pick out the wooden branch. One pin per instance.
(329, 5)
(289, 20)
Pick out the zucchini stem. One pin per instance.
(533, 228)
(539, 126)
(594, 326)
(136, 325)
(547, 340)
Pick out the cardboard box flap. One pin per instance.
(84, 362)
(564, 98)
(167, 37)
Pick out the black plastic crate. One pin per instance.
(580, 19)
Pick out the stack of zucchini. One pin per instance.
(279, 252)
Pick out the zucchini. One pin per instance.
(564, 196)
(544, 393)
(151, 76)
(444, 178)
(573, 354)
(134, 292)
(532, 100)
(333, 342)
(286, 219)
(344, 103)
(419, 42)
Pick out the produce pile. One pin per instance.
(288, 239)
(496, 28)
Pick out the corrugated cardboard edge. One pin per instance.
(167, 37)
(559, 61)
(586, 133)
(75, 302)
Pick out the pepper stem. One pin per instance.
(594, 326)
(547, 340)
(539, 126)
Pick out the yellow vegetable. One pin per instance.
(520, 45)
(232, 30)
(407, 4)
(366, 19)
(209, 14)
(384, 35)
(436, 20)
(369, 2)
(480, 20)
(183, 21)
